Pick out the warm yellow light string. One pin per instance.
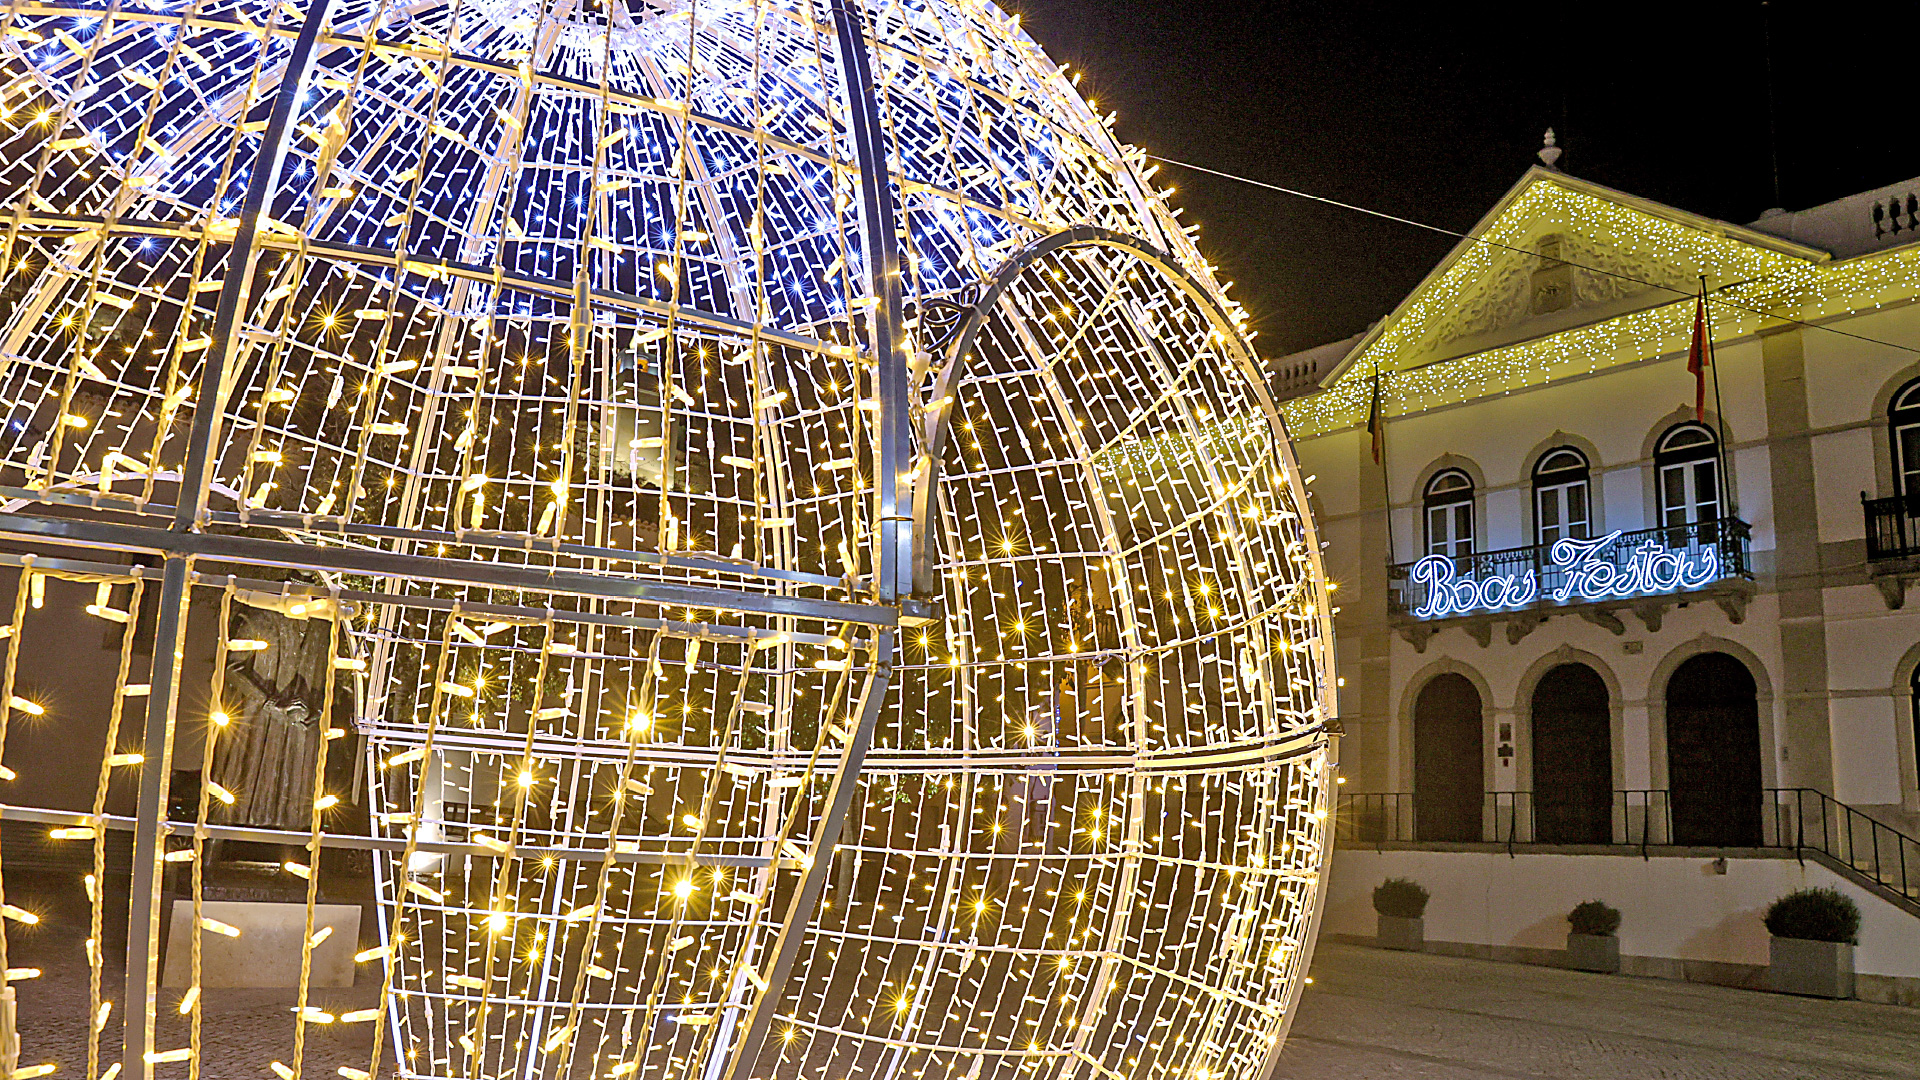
(580, 326)
(666, 537)
(706, 1040)
(856, 426)
(402, 866)
(374, 386)
(97, 886)
(836, 706)
(291, 270)
(325, 725)
(216, 696)
(711, 784)
(178, 387)
(661, 980)
(349, 98)
(77, 355)
(648, 708)
(755, 543)
(464, 520)
(67, 107)
(21, 589)
(125, 194)
(24, 589)
(504, 877)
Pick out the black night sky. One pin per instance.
(1432, 111)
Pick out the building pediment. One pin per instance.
(1556, 253)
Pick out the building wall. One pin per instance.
(1804, 416)
(1673, 908)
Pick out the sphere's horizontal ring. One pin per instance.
(71, 819)
(19, 498)
(58, 225)
(1065, 761)
(1105, 858)
(97, 534)
(703, 631)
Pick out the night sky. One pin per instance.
(1432, 111)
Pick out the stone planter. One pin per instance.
(1594, 952)
(1406, 934)
(1813, 968)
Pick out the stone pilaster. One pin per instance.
(1808, 743)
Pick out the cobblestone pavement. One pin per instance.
(1369, 1015)
(1377, 1014)
(241, 1030)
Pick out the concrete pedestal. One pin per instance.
(1405, 934)
(1594, 952)
(1811, 968)
(267, 952)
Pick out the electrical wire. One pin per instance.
(1683, 293)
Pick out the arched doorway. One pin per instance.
(1713, 752)
(1572, 757)
(1447, 753)
(1913, 709)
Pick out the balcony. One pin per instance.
(1893, 544)
(1645, 572)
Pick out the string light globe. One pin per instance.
(798, 532)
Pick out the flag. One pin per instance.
(1374, 426)
(1699, 356)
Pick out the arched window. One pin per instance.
(1903, 422)
(1450, 514)
(1687, 467)
(1561, 507)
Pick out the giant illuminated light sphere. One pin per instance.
(834, 598)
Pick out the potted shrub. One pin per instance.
(1591, 944)
(1401, 904)
(1811, 952)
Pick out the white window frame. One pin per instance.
(1687, 466)
(1554, 487)
(1450, 508)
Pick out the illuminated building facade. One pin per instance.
(1577, 614)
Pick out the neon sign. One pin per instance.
(1580, 570)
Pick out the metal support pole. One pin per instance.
(893, 532)
(210, 402)
(156, 773)
(806, 898)
(149, 843)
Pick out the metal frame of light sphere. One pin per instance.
(806, 547)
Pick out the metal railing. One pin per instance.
(1810, 820)
(1797, 819)
(1637, 818)
(1622, 566)
(1893, 526)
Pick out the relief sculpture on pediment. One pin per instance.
(1567, 271)
(1606, 272)
(1497, 300)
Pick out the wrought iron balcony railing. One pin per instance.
(1616, 566)
(1893, 526)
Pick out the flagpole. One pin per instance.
(1379, 438)
(1729, 506)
